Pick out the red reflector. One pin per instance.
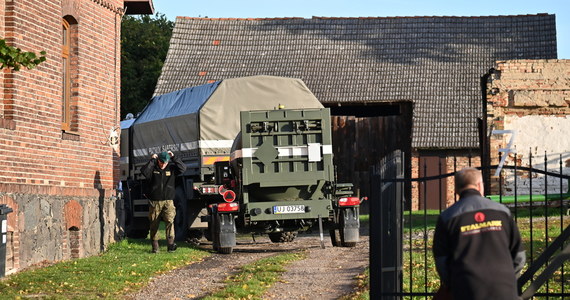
(229, 206)
(348, 201)
(229, 196)
(222, 189)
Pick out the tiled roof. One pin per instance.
(436, 62)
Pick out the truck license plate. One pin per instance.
(289, 209)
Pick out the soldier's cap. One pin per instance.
(164, 157)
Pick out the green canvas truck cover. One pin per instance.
(202, 122)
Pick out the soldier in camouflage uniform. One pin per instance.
(161, 171)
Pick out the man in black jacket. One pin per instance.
(161, 171)
(477, 246)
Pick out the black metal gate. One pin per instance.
(401, 262)
(386, 229)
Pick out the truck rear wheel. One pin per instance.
(137, 233)
(283, 236)
(335, 237)
(222, 237)
(181, 221)
(346, 214)
(225, 250)
(208, 233)
(138, 228)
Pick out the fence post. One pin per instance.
(4, 211)
(375, 237)
(386, 228)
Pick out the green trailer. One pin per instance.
(283, 175)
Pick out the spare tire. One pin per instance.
(283, 236)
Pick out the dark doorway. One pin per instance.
(363, 135)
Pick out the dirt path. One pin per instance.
(325, 274)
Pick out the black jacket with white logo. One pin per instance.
(477, 249)
(161, 181)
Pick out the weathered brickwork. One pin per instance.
(44, 169)
(532, 99)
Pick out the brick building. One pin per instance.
(530, 98)
(59, 160)
(409, 83)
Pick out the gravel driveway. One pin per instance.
(325, 274)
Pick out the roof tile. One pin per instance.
(436, 62)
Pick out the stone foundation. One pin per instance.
(45, 228)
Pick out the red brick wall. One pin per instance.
(37, 157)
(3, 35)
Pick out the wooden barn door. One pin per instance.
(433, 193)
(361, 142)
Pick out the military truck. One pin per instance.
(258, 152)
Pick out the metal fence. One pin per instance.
(536, 191)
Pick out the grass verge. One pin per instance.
(254, 279)
(124, 268)
(362, 291)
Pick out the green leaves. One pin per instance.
(15, 58)
(144, 44)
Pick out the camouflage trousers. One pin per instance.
(161, 210)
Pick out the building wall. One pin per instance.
(451, 161)
(60, 184)
(531, 98)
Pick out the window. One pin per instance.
(66, 78)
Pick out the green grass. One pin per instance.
(541, 211)
(128, 265)
(124, 268)
(420, 219)
(256, 278)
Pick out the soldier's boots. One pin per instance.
(171, 245)
(155, 246)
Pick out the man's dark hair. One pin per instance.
(465, 177)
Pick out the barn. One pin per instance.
(408, 83)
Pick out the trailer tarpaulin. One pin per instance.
(250, 93)
(169, 122)
(204, 120)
